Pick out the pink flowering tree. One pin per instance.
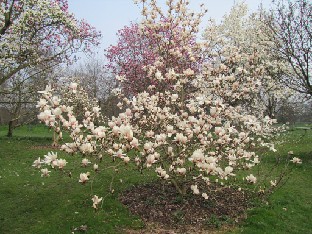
(39, 32)
(128, 58)
(141, 45)
(189, 139)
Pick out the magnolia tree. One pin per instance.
(39, 32)
(241, 44)
(163, 45)
(189, 139)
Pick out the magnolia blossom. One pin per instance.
(96, 201)
(45, 172)
(162, 173)
(47, 117)
(296, 160)
(61, 163)
(73, 86)
(86, 147)
(204, 195)
(42, 103)
(181, 171)
(37, 163)
(195, 189)
(197, 156)
(51, 159)
(83, 178)
(85, 162)
(150, 160)
(126, 159)
(273, 183)
(134, 143)
(251, 179)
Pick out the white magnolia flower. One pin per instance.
(85, 162)
(41, 103)
(134, 143)
(96, 200)
(61, 163)
(228, 170)
(126, 159)
(150, 160)
(83, 178)
(296, 160)
(181, 171)
(195, 189)
(73, 86)
(197, 156)
(45, 172)
(251, 178)
(86, 148)
(37, 163)
(51, 159)
(273, 183)
(204, 195)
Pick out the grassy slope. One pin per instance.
(31, 204)
(290, 208)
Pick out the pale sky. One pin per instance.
(109, 16)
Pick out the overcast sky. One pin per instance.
(109, 16)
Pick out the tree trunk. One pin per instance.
(11, 128)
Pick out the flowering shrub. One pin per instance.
(186, 137)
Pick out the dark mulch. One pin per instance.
(47, 147)
(155, 204)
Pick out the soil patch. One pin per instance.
(47, 147)
(164, 208)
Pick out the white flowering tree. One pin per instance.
(189, 132)
(239, 38)
(39, 32)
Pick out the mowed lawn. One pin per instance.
(59, 204)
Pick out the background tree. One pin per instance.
(37, 32)
(98, 82)
(289, 24)
(18, 96)
(242, 35)
(139, 47)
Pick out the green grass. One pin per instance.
(28, 131)
(289, 209)
(31, 204)
(58, 204)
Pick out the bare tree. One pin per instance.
(19, 96)
(98, 82)
(290, 25)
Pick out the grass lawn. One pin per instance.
(31, 204)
